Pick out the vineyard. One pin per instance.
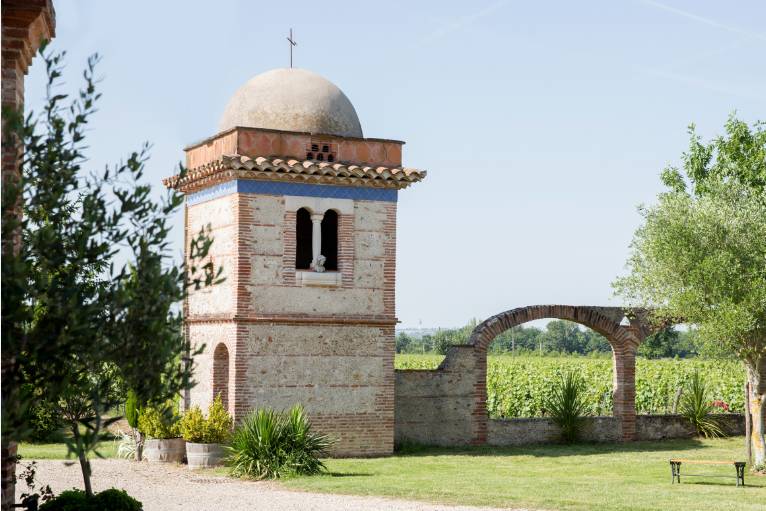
(517, 386)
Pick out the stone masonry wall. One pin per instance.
(210, 335)
(328, 348)
(436, 407)
(342, 374)
(220, 215)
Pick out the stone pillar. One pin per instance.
(316, 238)
(624, 389)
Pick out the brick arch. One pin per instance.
(623, 328)
(607, 321)
(221, 373)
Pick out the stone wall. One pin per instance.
(341, 374)
(427, 416)
(437, 407)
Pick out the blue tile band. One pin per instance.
(299, 189)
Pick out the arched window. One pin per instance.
(221, 374)
(303, 252)
(330, 240)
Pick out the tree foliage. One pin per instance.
(90, 294)
(700, 254)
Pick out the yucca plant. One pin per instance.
(269, 445)
(566, 405)
(698, 408)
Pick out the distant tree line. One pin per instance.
(558, 336)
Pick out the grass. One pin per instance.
(633, 476)
(611, 477)
(58, 451)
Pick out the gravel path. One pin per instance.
(164, 486)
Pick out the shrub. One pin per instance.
(107, 500)
(219, 422)
(115, 500)
(268, 445)
(193, 426)
(131, 409)
(45, 423)
(215, 429)
(566, 405)
(697, 408)
(156, 423)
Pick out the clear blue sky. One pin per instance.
(583, 103)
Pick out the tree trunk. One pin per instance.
(139, 439)
(84, 463)
(756, 376)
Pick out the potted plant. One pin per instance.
(205, 436)
(162, 432)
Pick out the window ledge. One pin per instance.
(313, 278)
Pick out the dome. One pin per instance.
(292, 100)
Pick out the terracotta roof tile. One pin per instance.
(303, 171)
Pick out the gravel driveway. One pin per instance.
(164, 486)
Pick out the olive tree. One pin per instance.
(700, 255)
(90, 293)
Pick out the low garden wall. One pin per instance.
(437, 407)
(528, 431)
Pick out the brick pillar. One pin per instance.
(25, 23)
(624, 393)
(479, 413)
(8, 474)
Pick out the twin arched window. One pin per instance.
(323, 227)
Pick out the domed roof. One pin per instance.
(292, 100)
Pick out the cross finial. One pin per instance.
(292, 43)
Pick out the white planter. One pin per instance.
(204, 455)
(167, 450)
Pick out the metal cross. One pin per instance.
(292, 43)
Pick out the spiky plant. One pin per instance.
(269, 445)
(698, 408)
(567, 406)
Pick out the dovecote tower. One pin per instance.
(303, 211)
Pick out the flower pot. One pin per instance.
(169, 450)
(204, 455)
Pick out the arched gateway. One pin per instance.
(449, 404)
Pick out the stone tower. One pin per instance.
(303, 211)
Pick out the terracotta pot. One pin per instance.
(204, 455)
(168, 450)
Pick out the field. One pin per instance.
(518, 385)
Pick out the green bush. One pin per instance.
(156, 423)
(45, 423)
(697, 407)
(268, 445)
(566, 405)
(219, 423)
(115, 500)
(215, 429)
(107, 500)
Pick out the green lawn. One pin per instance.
(107, 449)
(582, 477)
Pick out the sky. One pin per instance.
(542, 125)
